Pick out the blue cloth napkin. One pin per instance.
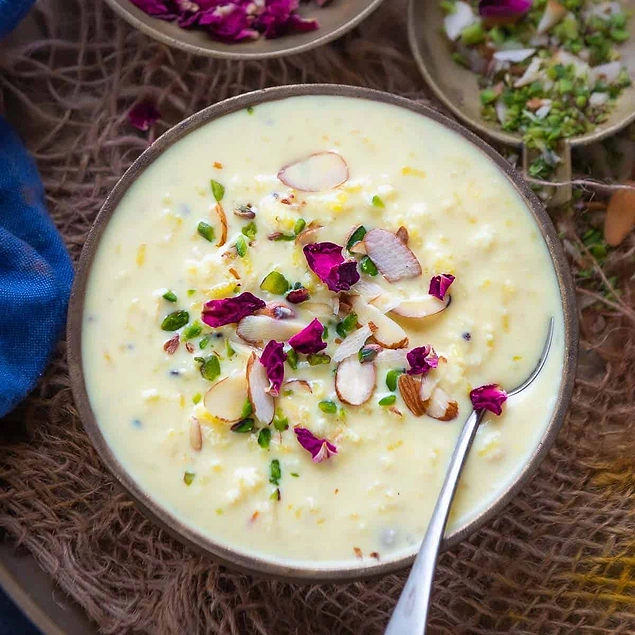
(11, 12)
(35, 273)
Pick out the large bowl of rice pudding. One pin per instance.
(281, 314)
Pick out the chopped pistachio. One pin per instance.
(280, 422)
(368, 267)
(299, 226)
(244, 426)
(247, 410)
(241, 246)
(175, 320)
(377, 202)
(317, 359)
(329, 407)
(264, 438)
(292, 359)
(203, 342)
(209, 367)
(473, 34)
(218, 190)
(356, 236)
(191, 331)
(389, 400)
(250, 230)
(170, 296)
(347, 325)
(274, 282)
(275, 472)
(197, 398)
(188, 477)
(391, 378)
(229, 349)
(250, 110)
(206, 231)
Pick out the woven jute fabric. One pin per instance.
(559, 559)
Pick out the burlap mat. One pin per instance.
(560, 559)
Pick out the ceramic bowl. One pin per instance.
(336, 18)
(233, 557)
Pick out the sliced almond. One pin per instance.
(386, 332)
(394, 260)
(403, 235)
(620, 215)
(459, 19)
(226, 397)
(395, 358)
(515, 56)
(352, 343)
(256, 329)
(428, 386)
(318, 172)
(196, 435)
(554, 12)
(410, 391)
(299, 384)
(608, 73)
(370, 290)
(354, 381)
(223, 225)
(257, 388)
(442, 406)
(318, 309)
(308, 235)
(422, 307)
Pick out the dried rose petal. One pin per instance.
(143, 115)
(490, 397)
(327, 262)
(309, 340)
(439, 285)
(230, 310)
(320, 449)
(273, 359)
(503, 10)
(421, 360)
(155, 8)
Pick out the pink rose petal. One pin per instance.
(421, 360)
(490, 397)
(230, 310)
(328, 264)
(273, 359)
(439, 285)
(309, 340)
(320, 449)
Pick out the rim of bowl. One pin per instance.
(500, 136)
(233, 557)
(148, 28)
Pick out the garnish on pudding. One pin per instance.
(280, 327)
(263, 347)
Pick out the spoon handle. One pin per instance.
(411, 613)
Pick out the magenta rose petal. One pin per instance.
(328, 264)
(440, 284)
(309, 340)
(506, 10)
(230, 310)
(320, 449)
(273, 359)
(421, 360)
(489, 397)
(143, 115)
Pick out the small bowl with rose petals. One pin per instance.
(244, 29)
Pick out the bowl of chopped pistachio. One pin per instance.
(541, 75)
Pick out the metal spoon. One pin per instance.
(411, 613)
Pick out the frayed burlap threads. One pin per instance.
(558, 560)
